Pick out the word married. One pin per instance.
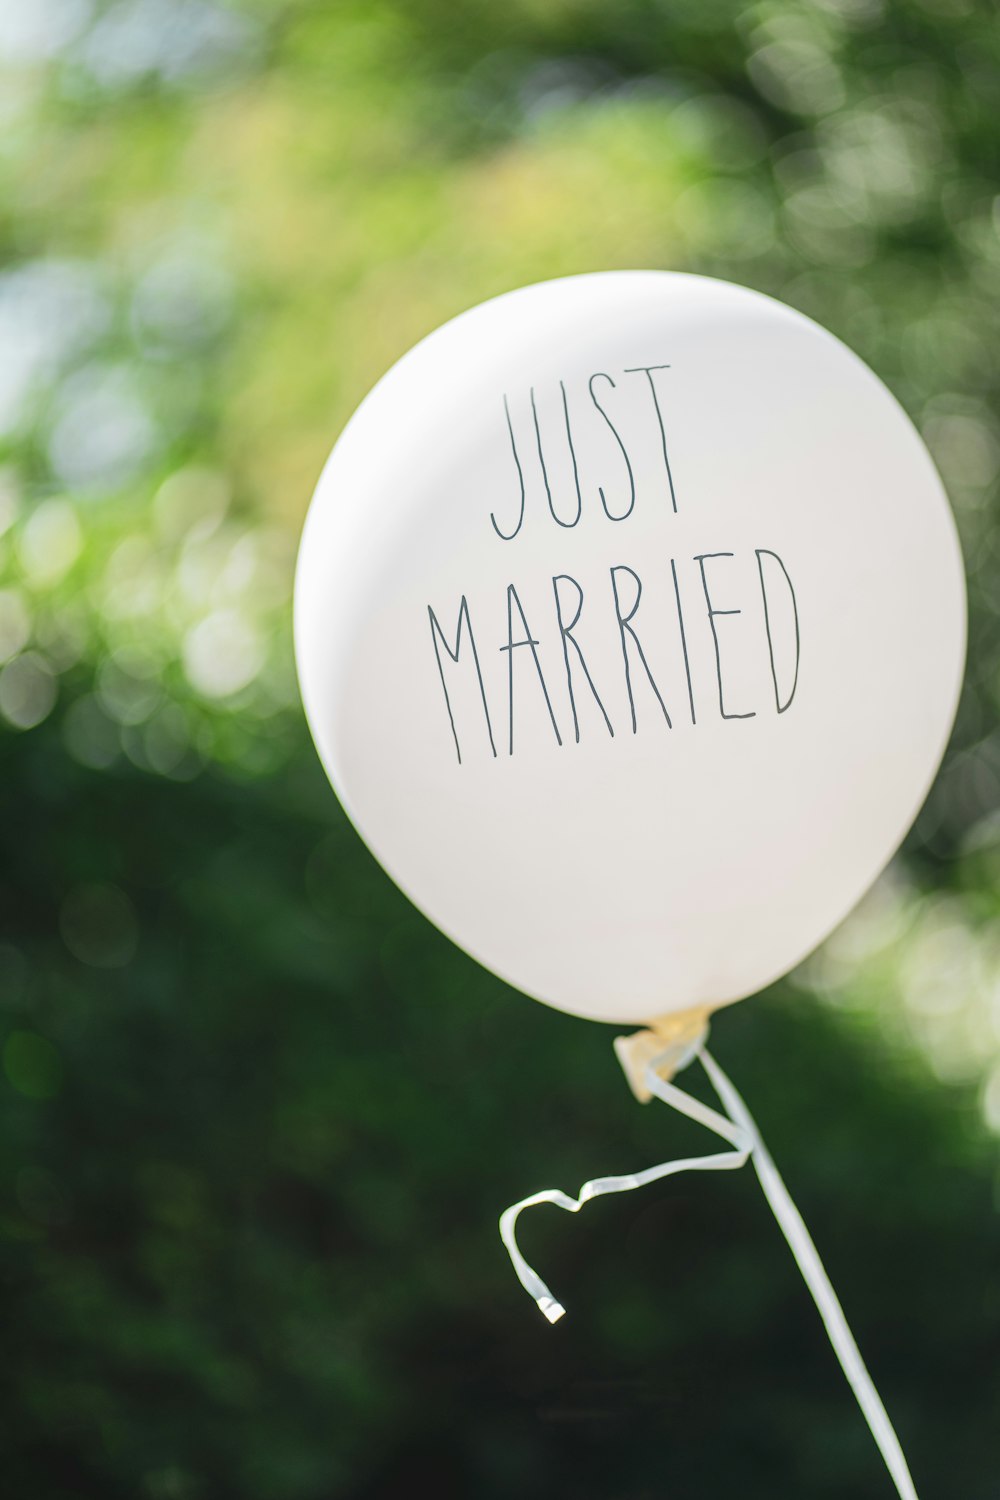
(625, 592)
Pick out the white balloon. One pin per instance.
(630, 625)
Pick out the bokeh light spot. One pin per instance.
(15, 623)
(128, 687)
(89, 735)
(27, 690)
(33, 1065)
(222, 654)
(50, 542)
(102, 431)
(190, 502)
(99, 926)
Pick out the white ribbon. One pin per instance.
(736, 1127)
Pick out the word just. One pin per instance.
(779, 615)
(600, 387)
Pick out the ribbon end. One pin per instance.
(552, 1309)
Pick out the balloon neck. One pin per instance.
(669, 1043)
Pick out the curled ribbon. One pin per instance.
(738, 1129)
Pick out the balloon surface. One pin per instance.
(630, 626)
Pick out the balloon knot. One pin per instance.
(669, 1043)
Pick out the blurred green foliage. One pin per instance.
(257, 1117)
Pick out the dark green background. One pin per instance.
(258, 1119)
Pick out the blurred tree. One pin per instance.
(258, 1117)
